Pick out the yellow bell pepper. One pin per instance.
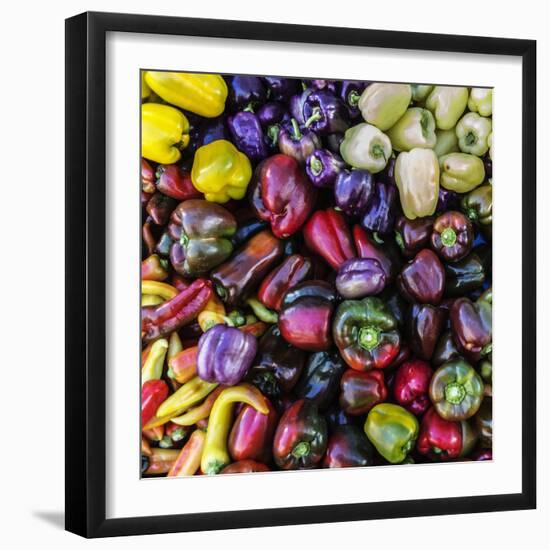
(202, 94)
(164, 131)
(220, 171)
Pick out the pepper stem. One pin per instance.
(454, 393)
(249, 108)
(486, 350)
(470, 138)
(220, 291)
(377, 151)
(315, 165)
(296, 134)
(184, 239)
(369, 337)
(448, 237)
(315, 116)
(399, 240)
(300, 450)
(353, 98)
(273, 133)
(472, 214)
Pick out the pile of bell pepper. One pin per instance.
(316, 273)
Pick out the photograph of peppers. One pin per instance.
(316, 274)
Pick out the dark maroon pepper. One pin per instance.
(413, 235)
(426, 323)
(348, 447)
(361, 391)
(472, 327)
(423, 279)
(452, 236)
(411, 385)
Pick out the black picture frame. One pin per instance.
(86, 277)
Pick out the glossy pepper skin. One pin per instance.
(225, 354)
(236, 279)
(445, 349)
(202, 94)
(348, 447)
(452, 236)
(416, 128)
(147, 177)
(422, 279)
(360, 277)
(413, 235)
(177, 312)
(301, 437)
(244, 467)
(365, 146)
(282, 194)
(361, 391)
(164, 133)
(306, 313)
(350, 93)
(277, 366)
(353, 190)
(323, 167)
(461, 172)
(220, 171)
(252, 434)
(248, 135)
(411, 386)
(366, 333)
(382, 209)
(325, 113)
(425, 324)
(392, 430)
(368, 247)
(281, 88)
(245, 90)
(467, 274)
(175, 182)
(478, 207)
(319, 381)
(383, 104)
(159, 208)
(153, 393)
(443, 440)
(327, 234)
(298, 143)
(294, 269)
(447, 103)
(417, 178)
(473, 132)
(471, 324)
(202, 233)
(215, 455)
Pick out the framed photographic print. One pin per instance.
(281, 266)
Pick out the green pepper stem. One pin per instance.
(353, 98)
(377, 238)
(486, 350)
(220, 291)
(470, 138)
(448, 237)
(184, 239)
(296, 134)
(214, 467)
(315, 116)
(273, 134)
(399, 240)
(369, 337)
(263, 313)
(377, 151)
(302, 449)
(249, 108)
(315, 165)
(454, 393)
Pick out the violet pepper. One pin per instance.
(245, 90)
(297, 143)
(248, 135)
(325, 113)
(280, 88)
(350, 92)
(353, 191)
(323, 167)
(382, 209)
(225, 354)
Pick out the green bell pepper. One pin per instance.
(461, 172)
(456, 390)
(420, 91)
(481, 101)
(365, 332)
(365, 146)
(446, 142)
(478, 206)
(384, 104)
(447, 103)
(417, 178)
(416, 128)
(472, 132)
(392, 430)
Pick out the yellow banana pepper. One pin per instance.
(202, 94)
(164, 290)
(220, 171)
(152, 368)
(164, 131)
(151, 300)
(188, 395)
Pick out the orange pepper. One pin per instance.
(189, 458)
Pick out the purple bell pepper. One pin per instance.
(360, 277)
(382, 209)
(296, 105)
(248, 135)
(244, 91)
(225, 354)
(321, 84)
(281, 88)
(297, 143)
(447, 200)
(272, 113)
(325, 113)
(353, 191)
(349, 92)
(387, 175)
(212, 129)
(323, 166)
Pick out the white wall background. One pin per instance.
(31, 221)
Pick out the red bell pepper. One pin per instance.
(368, 248)
(153, 393)
(147, 177)
(361, 391)
(411, 385)
(245, 467)
(175, 182)
(282, 194)
(443, 440)
(171, 315)
(292, 271)
(327, 234)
